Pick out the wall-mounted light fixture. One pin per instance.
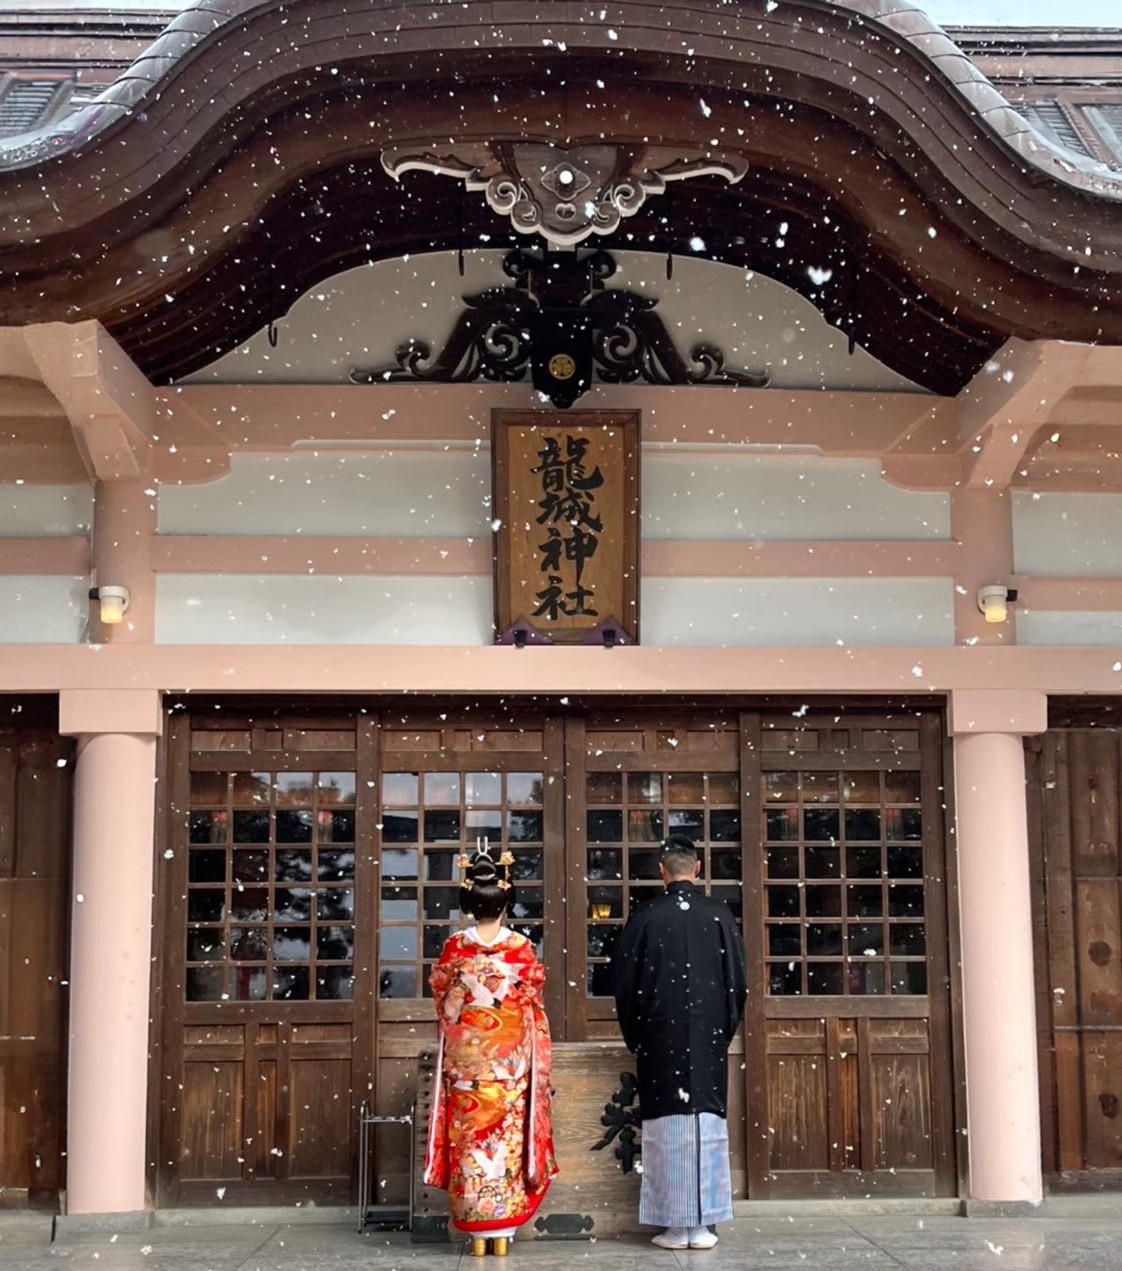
(994, 600)
(113, 602)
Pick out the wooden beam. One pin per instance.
(108, 400)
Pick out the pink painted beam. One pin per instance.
(21, 556)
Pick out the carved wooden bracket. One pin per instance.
(563, 194)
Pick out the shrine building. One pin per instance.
(556, 426)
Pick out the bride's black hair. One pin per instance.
(486, 890)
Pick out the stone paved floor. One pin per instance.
(771, 1244)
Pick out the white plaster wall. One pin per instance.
(403, 492)
(44, 609)
(797, 611)
(717, 494)
(1070, 628)
(359, 317)
(302, 609)
(1068, 535)
(394, 493)
(45, 511)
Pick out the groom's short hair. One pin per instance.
(678, 856)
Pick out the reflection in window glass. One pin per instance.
(785, 940)
(480, 788)
(909, 977)
(823, 901)
(399, 789)
(905, 862)
(399, 827)
(524, 827)
(908, 939)
(604, 787)
(291, 984)
(824, 978)
(442, 789)
(442, 826)
(724, 826)
(782, 824)
(399, 863)
(204, 984)
(782, 862)
(335, 983)
(524, 789)
(336, 787)
(820, 787)
(644, 787)
(398, 981)
(824, 939)
(604, 826)
(207, 867)
(206, 944)
(781, 787)
(902, 787)
(645, 826)
(861, 787)
(292, 944)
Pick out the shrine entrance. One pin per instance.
(308, 880)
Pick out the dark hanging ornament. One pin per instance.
(270, 330)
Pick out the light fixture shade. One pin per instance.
(112, 604)
(993, 601)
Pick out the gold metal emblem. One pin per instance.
(562, 366)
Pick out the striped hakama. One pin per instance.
(686, 1176)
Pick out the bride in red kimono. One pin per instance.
(490, 1143)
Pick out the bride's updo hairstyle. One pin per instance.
(486, 890)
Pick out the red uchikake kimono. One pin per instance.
(490, 1143)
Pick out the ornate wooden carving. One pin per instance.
(564, 194)
(560, 321)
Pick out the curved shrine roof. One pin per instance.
(963, 224)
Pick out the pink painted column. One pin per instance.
(982, 521)
(995, 903)
(111, 946)
(123, 529)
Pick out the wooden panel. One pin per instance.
(902, 1112)
(797, 1112)
(35, 811)
(1076, 829)
(211, 1100)
(1102, 1057)
(320, 1127)
(1098, 926)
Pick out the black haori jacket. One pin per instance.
(680, 983)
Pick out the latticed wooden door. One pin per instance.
(266, 991)
(848, 1037)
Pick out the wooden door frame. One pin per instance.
(563, 814)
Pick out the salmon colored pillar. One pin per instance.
(995, 901)
(111, 946)
(124, 526)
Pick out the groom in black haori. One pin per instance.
(680, 983)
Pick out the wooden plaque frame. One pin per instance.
(594, 580)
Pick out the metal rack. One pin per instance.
(369, 1213)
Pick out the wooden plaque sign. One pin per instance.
(566, 504)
